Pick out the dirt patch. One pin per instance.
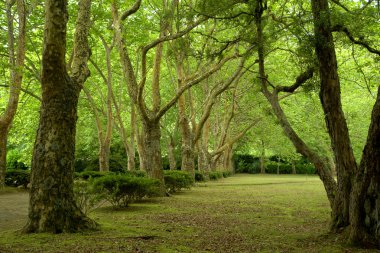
(13, 210)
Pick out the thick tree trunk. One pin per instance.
(365, 195)
(334, 116)
(104, 157)
(152, 146)
(52, 207)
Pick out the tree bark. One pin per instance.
(334, 116)
(171, 155)
(365, 195)
(16, 62)
(52, 207)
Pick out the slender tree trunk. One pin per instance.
(294, 171)
(262, 158)
(104, 157)
(187, 138)
(16, 62)
(131, 150)
(3, 155)
(141, 149)
(171, 155)
(301, 147)
(334, 116)
(52, 207)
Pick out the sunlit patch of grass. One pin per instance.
(243, 213)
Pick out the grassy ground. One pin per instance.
(243, 213)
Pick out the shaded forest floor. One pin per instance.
(243, 213)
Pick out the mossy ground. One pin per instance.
(243, 213)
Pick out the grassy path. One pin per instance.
(243, 213)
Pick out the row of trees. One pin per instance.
(210, 71)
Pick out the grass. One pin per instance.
(243, 213)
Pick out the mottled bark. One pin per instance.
(16, 62)
(334, 116)
(52, 207)
(187, 140)
(152, 149)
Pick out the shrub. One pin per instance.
(226, 174)
(135, 173)
(247, 164)
(17, 178)
(215, 175)
(91, 174)
(85, 197)
(199, 177)
(175, 180)
(121, 190)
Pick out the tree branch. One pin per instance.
(301, 79)
(25, 91)
(341, 28)
(132, 10)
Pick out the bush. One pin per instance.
(226, 174)
(90, 174)
(247, 164)
(135, 173)
(85, 197)
(199, 177)
(215, 175)
(121, 190)
(175, 180)
(17, 178)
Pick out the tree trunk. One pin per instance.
(171, 155)
(262, 158)
(141, 149)
(365, 195)
(104, 157)
(52, 206)
(3, 155)
(301, 147)
(294, 171)
(334, 116)
(152, 147)
(16, 62)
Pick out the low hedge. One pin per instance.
(199, 177)
(176, 180)
(17, 178)
(215, 175)
(121, 190)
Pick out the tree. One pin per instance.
(52, 207)
(16, 63)
(358, 185)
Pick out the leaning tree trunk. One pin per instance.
(52, 207)
(334, 116)
(272, 97)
